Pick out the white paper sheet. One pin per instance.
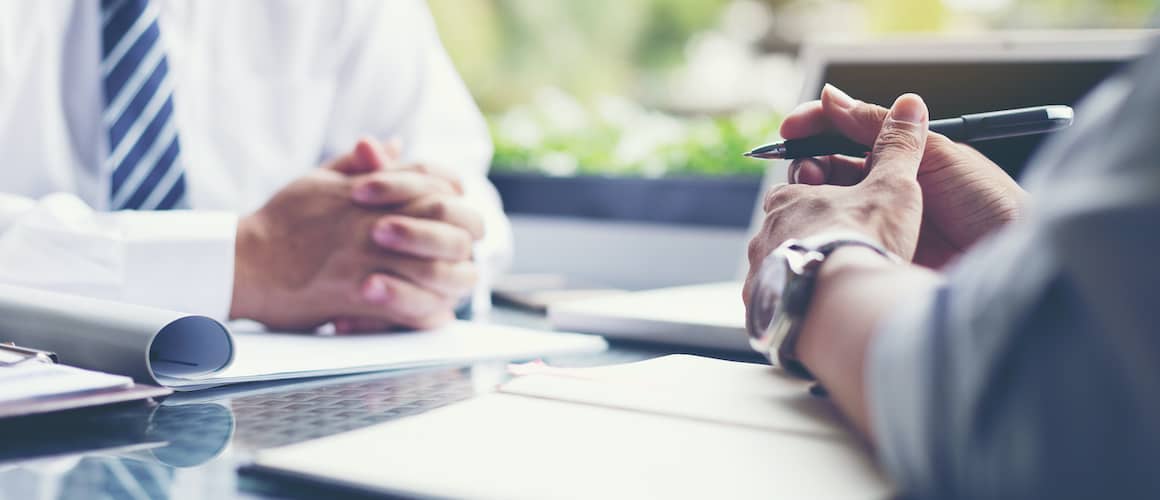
(33, 380)
(272, 356)
(671, 427)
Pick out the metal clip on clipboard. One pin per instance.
(61, 387)
(12, 354)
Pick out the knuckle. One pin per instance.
(778, 194)
(897, 138)
(458, 244)
(429, 271)
(390, 294)
(379, 185)
(871, 113)
(438, 209)
(791, 192)
(817, 204)
(755, 247)
(463, 246)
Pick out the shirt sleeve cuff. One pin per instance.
(180, 260)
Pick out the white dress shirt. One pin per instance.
(265, 90)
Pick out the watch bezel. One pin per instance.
(794, 264)
(788, 262)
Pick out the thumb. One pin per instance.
(393, 148)
(373, 154)
(899, 146)
(368, 156)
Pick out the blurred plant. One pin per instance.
(556, 135)
(507, 49)
(541, 70)
(670, 23)
(1055, 14)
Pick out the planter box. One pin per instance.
(714, 202)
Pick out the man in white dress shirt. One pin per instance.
(167, 153)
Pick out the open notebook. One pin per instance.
(671, 427)
(186, 352)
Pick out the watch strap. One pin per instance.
(799, 295)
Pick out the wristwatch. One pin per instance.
(781, 294)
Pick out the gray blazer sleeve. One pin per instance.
(1034, 372)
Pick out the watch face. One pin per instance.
(765, 294)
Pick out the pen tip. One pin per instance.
(767, 152)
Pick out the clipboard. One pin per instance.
(52, 399)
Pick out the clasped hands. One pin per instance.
(365, 242)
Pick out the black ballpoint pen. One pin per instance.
(967, 128)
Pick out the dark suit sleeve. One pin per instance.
(1034, 372)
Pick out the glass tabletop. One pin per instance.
(190, 445)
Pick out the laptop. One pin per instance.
(954, 76)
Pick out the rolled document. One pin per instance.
(150, 345)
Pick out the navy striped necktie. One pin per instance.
(144, 152)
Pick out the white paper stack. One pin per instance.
(186, 352)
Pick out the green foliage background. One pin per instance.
(508, 50)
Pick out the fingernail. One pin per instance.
(842, 99)
(389, 233)
(385, 235)
(375, 291)
(908, 108)
(797, 172)
(365, 193)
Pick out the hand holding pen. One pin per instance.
(965, 195)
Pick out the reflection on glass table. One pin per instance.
(191, 444)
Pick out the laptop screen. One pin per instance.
(956, 88)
